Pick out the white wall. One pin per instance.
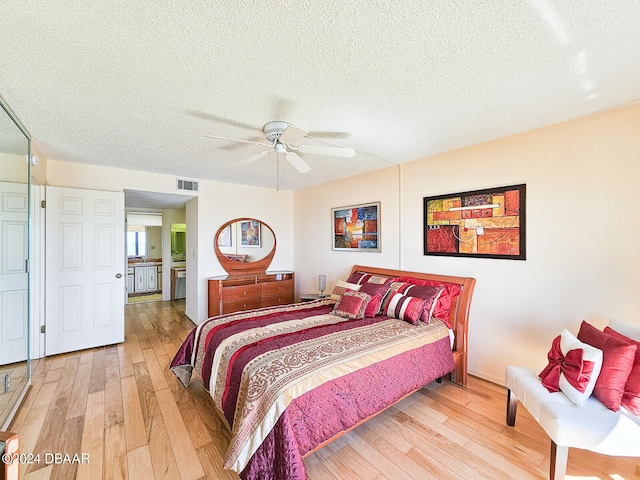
(216, 204)
(583, 234)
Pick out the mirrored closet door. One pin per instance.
(14, 255)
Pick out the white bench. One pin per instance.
(590, 427)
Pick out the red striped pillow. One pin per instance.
(405, 308)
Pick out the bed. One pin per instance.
(287, 380)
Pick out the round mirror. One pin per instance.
(245, 246)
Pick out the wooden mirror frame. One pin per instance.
(237, 269)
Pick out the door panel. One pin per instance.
(85, 280)
(13, 277)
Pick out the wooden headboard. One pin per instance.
(458, 315)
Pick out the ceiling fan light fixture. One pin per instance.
(273, 130)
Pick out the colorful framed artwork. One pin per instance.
(356, 228)
(249, 233)
(486, 223)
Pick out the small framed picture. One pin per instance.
(250, 233)
(356, 228)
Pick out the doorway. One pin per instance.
(151, 244)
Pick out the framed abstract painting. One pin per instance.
(487, 223)
(250, 233)
(356, 228)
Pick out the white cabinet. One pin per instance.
(130, 279)
(146, 279)
(152, 278)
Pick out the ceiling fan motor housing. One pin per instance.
(273, 130)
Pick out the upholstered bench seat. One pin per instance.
(591, 426)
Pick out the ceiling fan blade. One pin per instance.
(253, 158)
(292, 134)
(331, 151)
(238, 140)
(329, 134)
(297, 162)
(216, 118)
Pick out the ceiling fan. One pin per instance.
(284, 139)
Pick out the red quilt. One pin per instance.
(288, 378)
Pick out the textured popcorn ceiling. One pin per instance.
(137, 84)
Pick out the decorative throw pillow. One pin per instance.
(376, 289)
(617, 361)
(445, 300)
(394, 287)
(405, 308)
(361, 278)
(631, 396)
(342, 287)
(429, 293)
(573, 367)
(373, 307)
(351, 305)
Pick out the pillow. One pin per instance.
(573, 368)
(631, 396)
(394, 287)
(342, 287)
(376, 289)
(351, 305)
(617, 361)
(426, 292)
(443, 305)
(373, 307)
(405, 308)
(361, 278)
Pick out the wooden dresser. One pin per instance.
(236, 293)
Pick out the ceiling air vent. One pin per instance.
(187, 185)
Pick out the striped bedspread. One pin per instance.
(258, 364)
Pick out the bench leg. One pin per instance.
(558, 462)
(512, 407)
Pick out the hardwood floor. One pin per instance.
(123, 410)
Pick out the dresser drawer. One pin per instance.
(241, 292)
(275, 288)
(239, 305)
(282, 299)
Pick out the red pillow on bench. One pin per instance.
(617, 361)
(631, 396)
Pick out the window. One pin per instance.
(136, 241)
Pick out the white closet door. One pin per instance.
(14, 292)
(85, 279)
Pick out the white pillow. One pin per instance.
(568, 342)
(342, 287)
(581, 382)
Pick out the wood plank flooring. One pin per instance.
(120, 407)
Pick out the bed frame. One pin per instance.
(458, 316)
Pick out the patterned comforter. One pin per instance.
(288, 378)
